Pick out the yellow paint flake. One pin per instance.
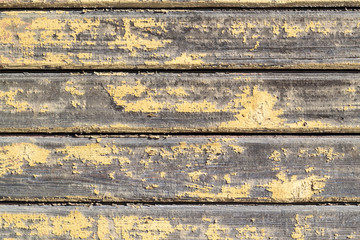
(103, 231)
(217, 232)
(227, 178)
(236, 148)
(177, 91)
(44, 108)
(132, 41)
(186, 60)
(351, 90)
(196, 175)
(112, 175)
(250, 233)
(309, 169)
(316, 27)
(256, 46)
(292, 30)
(39, 223)
(275, 156)
(151, 186)
(73, 89)
(257, 111)
(8, 98)
(75, 224)
(293, 189)
(93, 153)
(146, 228)
(227, 193)
(14, 156)
(162, 174)
(301, 227)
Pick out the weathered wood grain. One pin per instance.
(180, 102)
(180, 222)
(180, 169)
(165, 39)
(174, 3)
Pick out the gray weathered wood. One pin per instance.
(180, 102)
(174, 3)
(186, 39)
(180, 222)
(183, 168)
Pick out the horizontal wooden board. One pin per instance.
(174, 3)
(180, 169)
(180, 222)
(164, 39)
(180, 102)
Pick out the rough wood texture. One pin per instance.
(174, 3)
(180, 222)
(180, 102)
(175, 169)
(180, 39)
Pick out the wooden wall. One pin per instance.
(179, 119)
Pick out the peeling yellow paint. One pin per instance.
(293, 189)
(73, 89)
(216, 231)
(292, 30)
(14, 156)
(227, 178)
(8, 98)
(275, 156)
(131, 41)
(250, 233)
(226, 193)
(196, 175)
(147, 228)
(236, 148)
(75, 224)
(351, 90)
(93, 153)
(301, 228)
(258, 110)
(186, 60)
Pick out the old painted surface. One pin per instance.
(180, 102)
(196, 169)
(165, 39)
(180, 222)
(175, 3)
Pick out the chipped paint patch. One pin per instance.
(147, 228)
(226, 193)
(13, 157)
(293, 189)
(93, 153)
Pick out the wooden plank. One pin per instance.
(180, 222)
(180, 102)
(174, 3)
(180, 169)
(145, 39)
